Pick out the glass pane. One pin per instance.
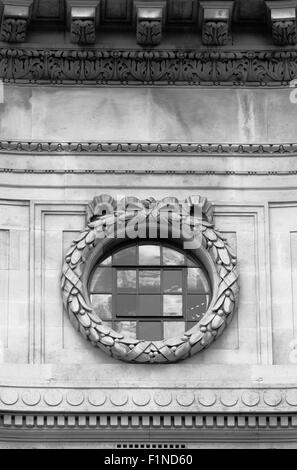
(172, 257)
(126, 280)
(126, 305)
(149, 255)
(191, 263)
(150, 331)
(173, 305)
(126, 257)
(101, 280)
(149, 281)
(127, 328)
(172, 281)
(102, 304)
(106, 262)
(196, 306)
(197, 281)
(172, 329)
(149, 306)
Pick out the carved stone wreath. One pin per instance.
(94, 242)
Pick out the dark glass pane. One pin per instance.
(149, 306)
(172, 257)
(173, 305)
(102, 304)
(127, 328)
(150, 331)
(196, 306)
(149, 281)
(126, 257)
(149, 255)
(172, 281)
(172, 329)
(197, 281)
(126, 305)
(101, 280)
(126, 280)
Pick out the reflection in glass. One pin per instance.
(101, 280)
(102, 304)
(197, 281)
(126, 257)
(149, 281)
(196, 306)
(172, 281)
(150, 331)
(126, 305)
(127, 328)
(126, 280)
(149, 305)
(172, 329)
(172, 257)
(173, 305)
(149, 255)
(106, 262)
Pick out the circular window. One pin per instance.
(142, 299)
(149, 291)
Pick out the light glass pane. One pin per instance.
(106, 262)
(127, 328)
(197, 281)
(150, 331)
(126, 305)
(172, 281)
(149, 306)
(126, 280)
(102, 304)
(172, 257)
(126, 257)
(196, 306)
(101, 281)
(172, 329)
(149, 281)
(149, 255)
(173, 305)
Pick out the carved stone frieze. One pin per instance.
(15, 19)
(107, 67)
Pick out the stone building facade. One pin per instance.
(149, 100)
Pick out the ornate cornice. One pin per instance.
(149, 67)
(166, 148)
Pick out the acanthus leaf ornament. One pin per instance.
(92, 240)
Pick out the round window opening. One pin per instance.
(147, 300)
(149, 291)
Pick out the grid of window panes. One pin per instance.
(149, 291)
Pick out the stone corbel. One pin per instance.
(83, 20)
(215, 19)
(150, 21)
(16, 15)
(282, 20)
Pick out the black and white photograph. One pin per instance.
(148, 227)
